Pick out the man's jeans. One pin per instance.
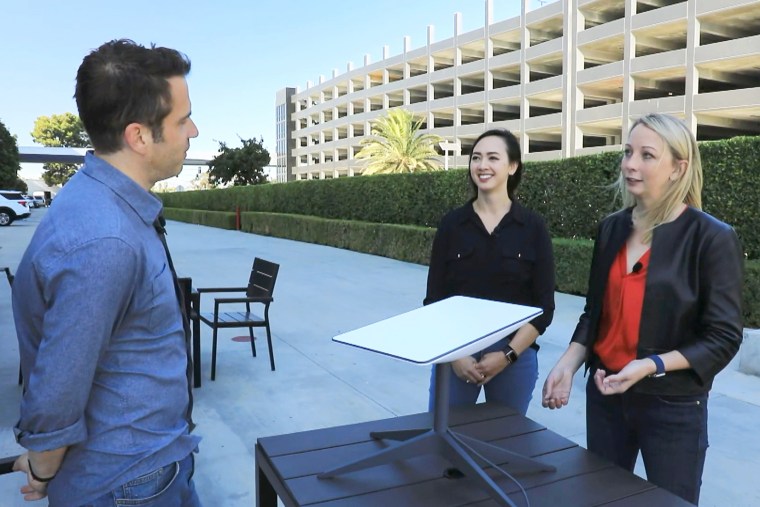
(513, 386)
(169, 486)
(670, 431)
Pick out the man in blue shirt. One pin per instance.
(105, 415)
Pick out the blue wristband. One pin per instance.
(658, 364)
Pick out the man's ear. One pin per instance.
(137, 137)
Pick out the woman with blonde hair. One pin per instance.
(662, 314)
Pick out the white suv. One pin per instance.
(13, 206)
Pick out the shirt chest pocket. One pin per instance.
(516, 263)
(461, 263)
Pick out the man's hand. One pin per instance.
(33, 490)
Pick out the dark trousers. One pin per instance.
(670, 432)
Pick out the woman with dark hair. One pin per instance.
(662, 316)
(494, 248)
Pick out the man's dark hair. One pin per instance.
(513, 153)
(122, 82)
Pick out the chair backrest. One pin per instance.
(8, 275)
(186, 289)
(263, 277)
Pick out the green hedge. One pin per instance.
(751, 294)
(218, 219)
(411, 199)
(403, 242)
(732, 175)
(572, 194)
(412, 244)
(572, 258)
(394, 215)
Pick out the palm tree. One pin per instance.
(398, 147)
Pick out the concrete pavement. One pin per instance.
(321, 292)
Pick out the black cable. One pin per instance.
(494, 465)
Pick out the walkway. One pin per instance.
(321, 292)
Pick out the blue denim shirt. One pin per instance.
(101, 338)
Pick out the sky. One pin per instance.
(242, 51)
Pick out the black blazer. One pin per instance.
(692, 297)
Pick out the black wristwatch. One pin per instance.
(510, 354)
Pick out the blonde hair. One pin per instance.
(686, 189)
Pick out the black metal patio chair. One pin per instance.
(259, 290)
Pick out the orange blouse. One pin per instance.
(621, 312)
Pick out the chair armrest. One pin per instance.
(6, 464)
(221, 289)
(260, 299)
(210, 290)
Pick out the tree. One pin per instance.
(398, 147)
(240, 166)
(60, 130)
(9, 161)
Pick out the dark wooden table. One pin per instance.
(287, 467)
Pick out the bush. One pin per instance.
(572, 257)
(731, 169)
(395, 215)
(572, 194)
(751, 294)
(408, 199)
(402, 242)
(201, 217)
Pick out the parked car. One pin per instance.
(13, 207)
(46, 197)
(31, 201)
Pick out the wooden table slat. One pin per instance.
(400, 480)
(657, 497)
(287, 467)
(314, 462)
(343, 435)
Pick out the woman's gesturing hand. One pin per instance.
(622, 381)
(557, 387)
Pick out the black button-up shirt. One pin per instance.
(513, 264)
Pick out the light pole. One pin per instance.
(447, 146)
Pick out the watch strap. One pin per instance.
(659, 364)
(510, 354)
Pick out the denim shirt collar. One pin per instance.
(146, 205)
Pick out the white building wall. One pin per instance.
(567, 78)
